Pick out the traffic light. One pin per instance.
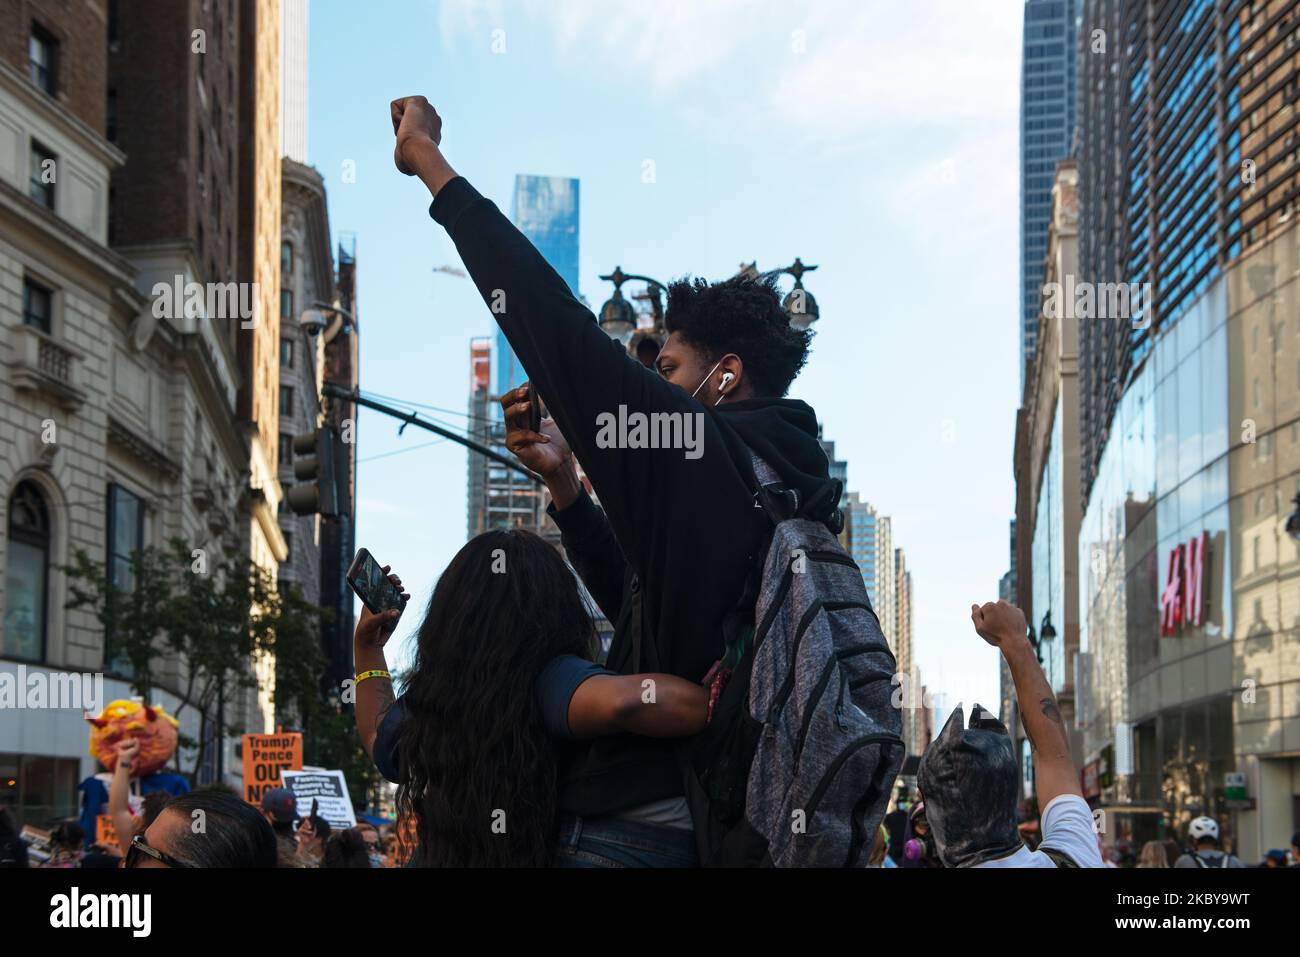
(313, 466)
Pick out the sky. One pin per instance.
(877, 140)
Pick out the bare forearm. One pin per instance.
(679, 708)
(118, 790)
(658, 706)
(374, 696)
(428, 163)
(1042, 719)
(564, 486)
(119, 808)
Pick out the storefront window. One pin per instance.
(39, 790)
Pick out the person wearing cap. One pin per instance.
(280, 808)
(1204, 835)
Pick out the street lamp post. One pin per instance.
(618, 317)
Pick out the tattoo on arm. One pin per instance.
(385, 690)
(1051, 711)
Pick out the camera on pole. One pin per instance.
(313, 466)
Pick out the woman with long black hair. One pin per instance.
(503, 680)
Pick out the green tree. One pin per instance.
(212, 619)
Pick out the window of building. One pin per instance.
(125, 535)
(110, 117)
(286, 303)
(125, 539)
(27, 567)
(288, 545)
(286, 257)
(286, 353)
(286, 448)
(43, 166)
(37, 788)
(43, 55)
(37, 306)
(286, 400)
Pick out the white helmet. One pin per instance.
(1203, 828)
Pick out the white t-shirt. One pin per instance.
(1067, 827)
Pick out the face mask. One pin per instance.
(706, 379)
(969, 777)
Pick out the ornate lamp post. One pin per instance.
(619, 318)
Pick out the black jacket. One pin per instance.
(667, 557)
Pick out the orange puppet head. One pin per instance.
(154, 728)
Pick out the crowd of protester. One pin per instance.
(276, 837)
(232, 834)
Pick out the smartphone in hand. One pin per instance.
(366, 577)
(534, 409)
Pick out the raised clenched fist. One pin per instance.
(414, 119)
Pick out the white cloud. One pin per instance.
(918, 64)
(662, 42)
(933, 64)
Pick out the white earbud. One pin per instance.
(726, 377)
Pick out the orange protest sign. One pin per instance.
(105, 832)
(265, 757)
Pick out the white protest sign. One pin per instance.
(330, 792)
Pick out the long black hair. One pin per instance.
(478, 771)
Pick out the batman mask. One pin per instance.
(968, 780)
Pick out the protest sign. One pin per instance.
(105, 831)
(329, 789)
(266, 757)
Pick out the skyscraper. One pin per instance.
(1219, 121)
(545, 209)
(293, 86)
(1190, 414)
(1047, 121)
(871, 545)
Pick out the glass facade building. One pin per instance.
(1190, 587)
(545, 209)
(1189, 152)
(1047, 121)
(1048, 562)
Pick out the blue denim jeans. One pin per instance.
(607, 841)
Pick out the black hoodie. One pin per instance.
(668, 556)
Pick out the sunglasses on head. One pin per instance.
(140, 849)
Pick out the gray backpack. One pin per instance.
(803, 745)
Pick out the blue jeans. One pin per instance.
(607, 841)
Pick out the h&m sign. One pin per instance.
(1183, 600)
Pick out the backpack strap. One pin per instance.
(1059, 858)
(777, 500)
(781, 502)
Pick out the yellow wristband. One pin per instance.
(373, 674)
